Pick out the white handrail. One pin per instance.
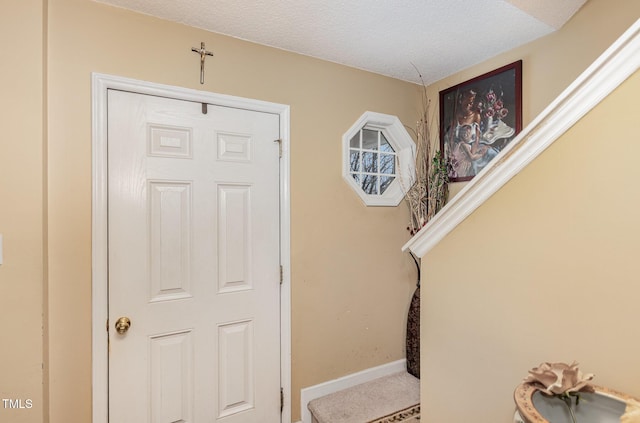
(612, 68)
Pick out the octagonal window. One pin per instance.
(378, 159)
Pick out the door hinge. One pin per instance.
(281, 400)
(281, 274)
(279, 141)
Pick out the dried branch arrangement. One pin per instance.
(429, 192)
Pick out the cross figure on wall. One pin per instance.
(203, 54)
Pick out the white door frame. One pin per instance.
(100, 358)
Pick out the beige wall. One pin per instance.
(545, 269)
(351, 284)
(21, 209)
(348, 313)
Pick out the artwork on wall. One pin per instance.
(478, 118)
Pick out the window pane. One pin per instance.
(388, 164)
(354, 160)
(356, 177)
(384, 144)
(369, 162)
(369, 139)
(355, 141)
(385, 181)
(370, 184)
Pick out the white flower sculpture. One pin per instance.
(559, 378)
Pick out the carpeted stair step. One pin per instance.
(393, 398)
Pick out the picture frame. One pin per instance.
(478, 119)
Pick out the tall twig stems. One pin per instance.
(429, 191)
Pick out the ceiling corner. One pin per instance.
(551, 12)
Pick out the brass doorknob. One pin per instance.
(123, 324)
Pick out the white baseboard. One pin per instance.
(331, 386)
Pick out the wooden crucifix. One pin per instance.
(203, 54)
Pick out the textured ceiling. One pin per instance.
(389, 37)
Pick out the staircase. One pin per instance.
(392, 398)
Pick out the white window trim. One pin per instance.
(404, 148)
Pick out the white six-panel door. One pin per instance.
(193, 203)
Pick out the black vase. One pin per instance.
(413, 335)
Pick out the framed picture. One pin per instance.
(478, 118)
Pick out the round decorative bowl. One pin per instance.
(603, 406)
